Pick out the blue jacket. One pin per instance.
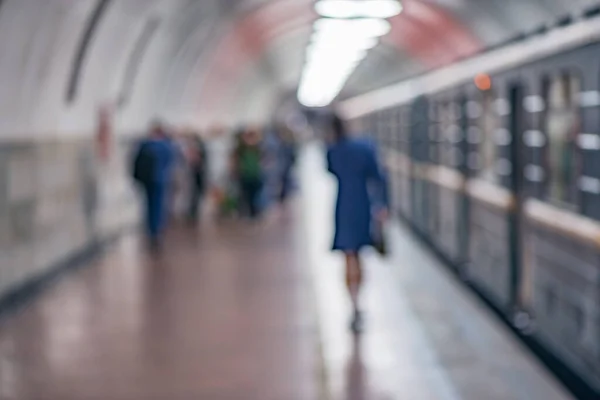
(166, 155)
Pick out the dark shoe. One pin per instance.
(192, 222)
(154, 244)
(357, 324)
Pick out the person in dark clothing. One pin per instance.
(198, 166)
(153, 166)
(248, 160)
(288, 160)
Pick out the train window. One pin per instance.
(404, 128)
(442, 123)
(489, 123)
(449, 133)
(383, 127)
(391, 128)
(551, 300)
(378, 126)
(433, 133)
(562, 124)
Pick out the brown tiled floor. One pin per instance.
(225, 314)
(258, 312)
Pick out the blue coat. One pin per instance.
(361, 187)
(157, 191)
(166, 155)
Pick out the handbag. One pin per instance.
(379, 238)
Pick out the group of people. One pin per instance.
(260, 171)
(240, 173)
(184, 168)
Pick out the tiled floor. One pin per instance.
(231, 312)
(226, 314)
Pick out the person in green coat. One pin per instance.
(248, 160)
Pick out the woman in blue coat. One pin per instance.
(362, 192)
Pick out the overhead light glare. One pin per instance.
(336, 48)
(353, 28)
(346, 9)
(342, 47)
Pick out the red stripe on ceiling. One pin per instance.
(424, 30)
(247, 40)
(413, 37)
(223, 80)
(431, 35)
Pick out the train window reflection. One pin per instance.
(434, 127)
(449, 132)
(488, 125)
(562, 123)
(405, 126)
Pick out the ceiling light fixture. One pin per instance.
(339, 43)
(345, 9)
(363, 27)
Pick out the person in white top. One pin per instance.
(219, 146)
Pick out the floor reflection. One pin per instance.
(356, 376)
(359, 384)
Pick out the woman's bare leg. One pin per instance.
(353, 283)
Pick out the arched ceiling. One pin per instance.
(215, 61)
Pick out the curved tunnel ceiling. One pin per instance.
(215, 61)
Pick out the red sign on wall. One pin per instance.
(104, 134)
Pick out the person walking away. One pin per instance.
(219, 154)
(179, 192)
(271, 165)
(248, 162)
(354, 164)
(152, 171)
(198, 165)
(288, 159)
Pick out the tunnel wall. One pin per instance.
(63, 61)
(58, 201)
(58, 197)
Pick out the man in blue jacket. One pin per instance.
(153, 167)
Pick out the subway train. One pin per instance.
(495, 162)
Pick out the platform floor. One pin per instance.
(259, 312)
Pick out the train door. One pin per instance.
(434, 190)
(404, 147)
(419, 153)
(461, 163)
(516, 185)
(395, 175)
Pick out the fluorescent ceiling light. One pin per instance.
(364, 27)
(336, 48)
(358, 9)
(341, 47)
